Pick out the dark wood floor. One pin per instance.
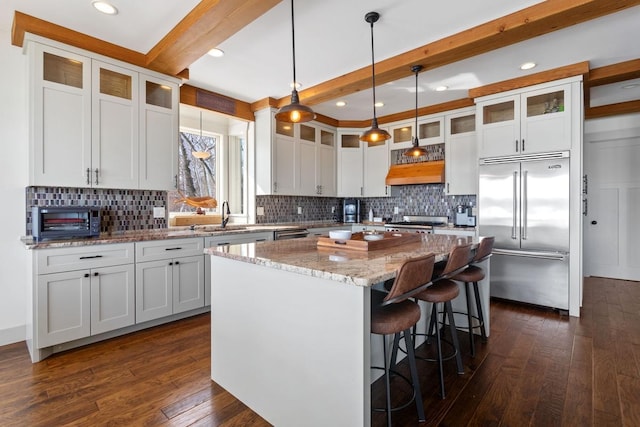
(539, 368)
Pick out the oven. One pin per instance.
(64, 222)
(416, 224)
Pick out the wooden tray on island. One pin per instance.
(358, 243)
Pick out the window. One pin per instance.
(212, 162)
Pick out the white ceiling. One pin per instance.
(332, 38)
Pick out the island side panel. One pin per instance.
(292, 347)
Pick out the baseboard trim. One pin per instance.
(12, 335)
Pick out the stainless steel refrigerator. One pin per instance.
(524, 203)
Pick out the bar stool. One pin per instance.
(474, 274)
(442, 291)
(394, 314)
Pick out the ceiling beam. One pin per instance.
(209, 24)
(205, 27)
(542, 18)
(614, 73)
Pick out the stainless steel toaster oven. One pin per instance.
(65, 222)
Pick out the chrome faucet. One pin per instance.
(225, 211)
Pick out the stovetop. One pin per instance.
(421, 221)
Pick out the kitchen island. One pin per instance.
(290, 325)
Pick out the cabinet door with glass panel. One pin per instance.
(159, 128)
(529, 122)
(461, 158)
(115, 127)
(60, 142)
(350, 164)
(430, 131)
(326, 163)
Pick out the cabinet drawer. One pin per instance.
(232, 239)
(56, 260)
(165, 249)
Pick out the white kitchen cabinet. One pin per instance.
(60, 112)
(326, 160)
(294, 159)
(92, 124)
(456, 231)
(169, 277)
(376, 166)
(159, 129)
(114, 127)
(430, 131)
(82, 291)
(324, 231)
(362, 167)
(226, 240)
(534, 120)
(461, 158)
(350, 165)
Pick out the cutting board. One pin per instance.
(358, 243)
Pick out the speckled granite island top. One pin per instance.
(360, 268)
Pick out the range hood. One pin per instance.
(416, 173)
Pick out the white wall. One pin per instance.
(13, 179)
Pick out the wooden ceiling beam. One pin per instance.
(539, 19)
(614, 73)
(209, 24)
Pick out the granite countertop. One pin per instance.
(171, 233)
(360, 268)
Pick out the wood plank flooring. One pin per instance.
(539, 368)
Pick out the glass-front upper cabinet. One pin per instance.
(529, 122)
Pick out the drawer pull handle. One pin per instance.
(172, 249)
(91, 257)
(223, 243)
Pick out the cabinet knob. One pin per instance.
(177, 262)
(95, 273)
(86, 274)
(171, 263)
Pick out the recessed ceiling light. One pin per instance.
(631, 86)
(379, 104)
(441, 88)
(527, 65)
(298, 85)
(341, 103)
(105, 7)
(216, 53)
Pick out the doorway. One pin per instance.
(612, 221)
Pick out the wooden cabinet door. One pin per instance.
(461, 158)
(350, 166)
(154, 290)
(284, 166)
(60, 141)
(115, 120)
(188, 283)
(63, 307)
(112, 298)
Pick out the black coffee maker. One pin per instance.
(351, 210)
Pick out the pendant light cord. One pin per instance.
(373, 73)
(293, 44)
(415, 143)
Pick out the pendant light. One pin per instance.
(295, 112)
(202, 155)
(416, 150)
(375, 134)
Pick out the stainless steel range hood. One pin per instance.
(416, 173)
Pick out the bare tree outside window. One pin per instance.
(196, 177)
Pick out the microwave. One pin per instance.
(64, 222)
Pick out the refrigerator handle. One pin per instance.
(515, 205)
(524, 205)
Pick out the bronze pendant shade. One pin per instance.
(375, 134)
(416, 150)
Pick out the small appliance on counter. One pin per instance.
(351, 211)
(65, 222)
(464, 217)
